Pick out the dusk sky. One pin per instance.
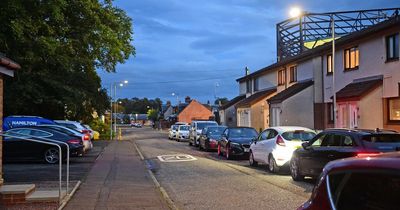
(195, 48)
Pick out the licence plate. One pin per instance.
(246, 149)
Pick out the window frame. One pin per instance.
(347, 55)
(248, 86)
(330, 113)
(255, 84)
(293, 74)
(329, 71)
(281, 77)
(396, 50)
(389, 120)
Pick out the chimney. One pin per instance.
(247, 71)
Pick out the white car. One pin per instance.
(172, 132)
(275, 145)
(183, 133)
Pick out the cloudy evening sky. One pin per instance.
(200, 47)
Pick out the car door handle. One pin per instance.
(331, 156)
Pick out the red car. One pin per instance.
(368, 183)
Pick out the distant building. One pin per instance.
(194, 111)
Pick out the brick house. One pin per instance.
(7, 68)
(194, 111)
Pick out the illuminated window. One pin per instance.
(293, 74)
(394, 109)
(281, 77)
(392, 47)
(329, 69)
(351, 58)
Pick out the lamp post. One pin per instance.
(114, 85)
(297, 12)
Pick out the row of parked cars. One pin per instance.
(37, 138)
(356, 168)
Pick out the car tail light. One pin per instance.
(85, 137)
(73, 141)
(279, 141)
(367, 154)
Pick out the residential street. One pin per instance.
(211, 182)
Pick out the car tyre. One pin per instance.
(51, 155)
(251, 159)
(190, 142)
(272, 166)
(295, 171)
(200, 148)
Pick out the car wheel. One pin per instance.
(228, 152)
(272, 165)
(295, 170)
(190, 142)
(219, 152)
(251, 159)
(200, 148)
(51, 155)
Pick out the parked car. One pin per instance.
(195, 130)
(182, 133)
(74, 125)
(21, 121)
(367, 183)
(335, 144)
(16, 147)
(87, 142)
(172, 132)
(236, 141)
(91, 131)
(210, 136)
(136, 125)
(275, 145)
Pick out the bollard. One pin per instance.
(119, 134)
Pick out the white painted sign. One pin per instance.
(176, 158)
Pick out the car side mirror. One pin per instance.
(305, 145)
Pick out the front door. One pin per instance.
(347, 115)
(353, 115)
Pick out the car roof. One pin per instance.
(282, 129)
(362, 131)
(205, 121)
(390, 160)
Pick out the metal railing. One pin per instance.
(53, 143)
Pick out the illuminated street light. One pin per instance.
(114, 85)
(295, 12)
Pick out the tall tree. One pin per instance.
(60, 44)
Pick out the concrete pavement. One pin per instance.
(118, 180)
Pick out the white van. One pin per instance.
(195, 130)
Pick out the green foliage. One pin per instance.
(60, 45)
(222, 100)
(139, 106)
(101, 127)
(152, 114)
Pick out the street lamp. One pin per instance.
(114, 85)
(297, 12)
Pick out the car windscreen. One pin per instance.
(215, 131)
(184, 128)
(174, 127)
(298, 135)
(365, 190)
(242, 133)
(384, 141)
(200, 126)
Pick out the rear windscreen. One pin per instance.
(298, 135)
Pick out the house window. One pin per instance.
(329, 68)
(394, 109)
(392, 47)
(293, 74)
(248, 86)
(331, 113)
(351, 58)
(281, 77)
(255, 88)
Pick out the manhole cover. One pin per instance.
(176, 158)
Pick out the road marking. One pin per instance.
(176, 158)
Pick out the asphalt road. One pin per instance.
(211, 182)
